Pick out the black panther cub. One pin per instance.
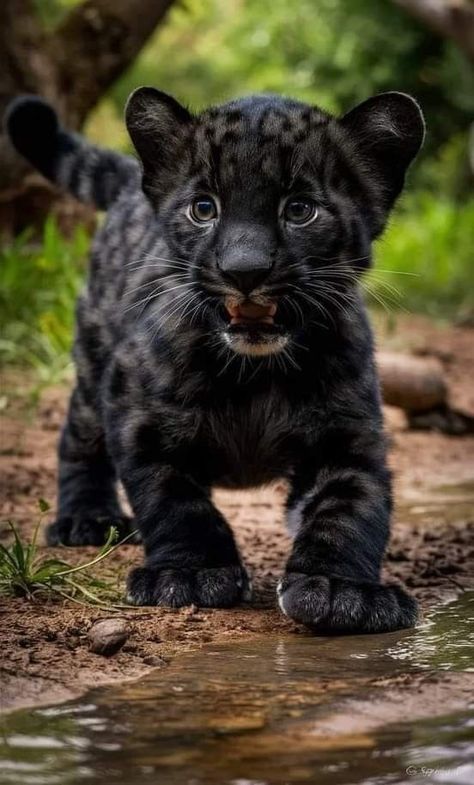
(222, 341)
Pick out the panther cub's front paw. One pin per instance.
(218, 587)
(337, 606)
(83, 529)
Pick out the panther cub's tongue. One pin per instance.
(251, 313)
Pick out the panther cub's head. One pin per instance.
(269, 206)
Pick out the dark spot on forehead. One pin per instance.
(263, 116)
(253, 137)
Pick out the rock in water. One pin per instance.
(107, 636)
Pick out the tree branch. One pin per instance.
(452, 19)
(96, 42)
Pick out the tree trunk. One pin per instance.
(72, 67)
(449, 18)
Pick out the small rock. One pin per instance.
(72, 642)
(397, 555)
(25, 642)
(154, 661)
(431, 536)
(107, 636)
(130, 648)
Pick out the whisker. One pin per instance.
(186, 309)
(396, 293)
(160, 268)
(364, 281)
(243, 363)
(182, 298)
(151, 282)
(395, 272)
(329, 295)
(233, 356)
(291, 360)
(325, 313)
(388, 299)
(296, 308)
(337, 259)
(154, 294)
(154, 257)
(371, 271)
(195, 310)
(177, 302)
(258, 365)
(339, 306)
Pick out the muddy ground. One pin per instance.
(45, 656)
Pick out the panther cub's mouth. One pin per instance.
(251, 314)
(252, 329)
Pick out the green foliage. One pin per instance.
(25, 572)
(52, 12)
(39, 282)
(447, 173)
(429, 243)
(331, 52)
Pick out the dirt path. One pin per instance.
(45, 656)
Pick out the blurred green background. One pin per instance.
(329, 52)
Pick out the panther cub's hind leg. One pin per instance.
(88, 504)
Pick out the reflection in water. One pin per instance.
(444, 641)
(243, 713)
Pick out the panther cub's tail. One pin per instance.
(91, 174)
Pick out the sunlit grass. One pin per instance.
(427, 254)
(39, 283)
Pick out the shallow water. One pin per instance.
(449, 504)
(247, 713)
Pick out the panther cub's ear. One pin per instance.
(388, 131)
(156, 123)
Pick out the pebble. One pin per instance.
(154, 661)
(107, 636)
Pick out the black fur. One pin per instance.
(176, 394)
(91, 174)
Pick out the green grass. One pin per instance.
(424, 263)
(39, 283)
(427, 254)
(25, 572)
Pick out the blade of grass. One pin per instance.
(102, 555)
(90, 595)
(48, 569)
(8, 555)
(18, 548)
(70, 597)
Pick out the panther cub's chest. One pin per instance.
(250, 441)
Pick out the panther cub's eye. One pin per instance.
(300, 211)
(203, 209)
